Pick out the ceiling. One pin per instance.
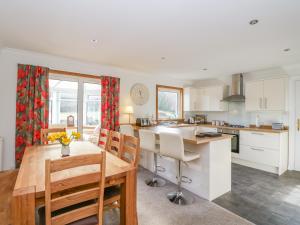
(135, 34)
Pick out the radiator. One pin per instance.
(1, 153)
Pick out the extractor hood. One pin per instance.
(237, 89)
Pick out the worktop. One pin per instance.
(187, 134)
(270, 130)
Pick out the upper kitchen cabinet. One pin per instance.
(266, 95)
(254, 95)
(205, 99)
(190, 99)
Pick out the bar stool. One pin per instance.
(147, 143)
(171, 145)
(127, 130)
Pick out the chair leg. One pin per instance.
(177, 197)
(155, 181)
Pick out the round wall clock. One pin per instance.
(139, 94)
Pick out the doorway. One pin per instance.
(297, 124)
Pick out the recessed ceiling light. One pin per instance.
(163, 58)
(287, 49)
(94, 41)
(253, 22)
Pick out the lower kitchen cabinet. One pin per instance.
(263, 150)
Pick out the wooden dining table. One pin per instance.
(29, 190)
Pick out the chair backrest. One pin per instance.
(46, 132)
(171, 145)
(127, 130)
(115, 141)
(147, 140)
(103, 138)
(65, 189)
(130, 150)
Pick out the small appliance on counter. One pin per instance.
(277, 126)
(200, 119)
(143, 122)
(191, 120)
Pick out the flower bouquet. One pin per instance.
(64, 140)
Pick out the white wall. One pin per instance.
(9, 58)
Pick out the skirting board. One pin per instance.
(258, 166)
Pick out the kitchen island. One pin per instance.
(210, 174)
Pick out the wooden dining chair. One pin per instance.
(103, 138)
(130, 152)
(66, 199)
(46, 132)
(115, 141)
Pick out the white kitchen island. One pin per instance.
(210, 174)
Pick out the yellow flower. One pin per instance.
(76, 135)
(65, 140)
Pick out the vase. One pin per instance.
(65, 150)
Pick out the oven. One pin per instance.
(235, 141)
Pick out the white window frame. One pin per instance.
(80, 93)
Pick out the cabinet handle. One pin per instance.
(260, 103)
(257, 133)
(257, 149)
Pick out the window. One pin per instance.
(169, 103)
(76, 97)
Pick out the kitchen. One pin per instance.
(258, 127)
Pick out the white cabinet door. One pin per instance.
(215, 95)
(254, 95)
(190, 99)
(274, 94)
(203, 100)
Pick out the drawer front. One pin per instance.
(260, 139)
(259, 155)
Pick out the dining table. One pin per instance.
(29, 190)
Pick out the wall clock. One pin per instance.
(139, 94)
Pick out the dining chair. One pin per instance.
(46, 132)
(103, 138)
(130, 153)
(115, 141)
(66, 199)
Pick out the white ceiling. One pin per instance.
(135, 34)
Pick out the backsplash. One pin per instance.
(237, 115)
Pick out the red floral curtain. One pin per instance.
(110, 92)
(31, 107)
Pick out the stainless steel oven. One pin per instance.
(235, 141)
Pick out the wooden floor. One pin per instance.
(7, 182)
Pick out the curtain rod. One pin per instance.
(74, 74)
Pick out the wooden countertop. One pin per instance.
(188, 136)
(268, 130)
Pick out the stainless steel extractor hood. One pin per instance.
(237, 89)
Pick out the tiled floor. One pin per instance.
(264, 198)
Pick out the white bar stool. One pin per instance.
(171, 145)
(127, 130)
(147, 143)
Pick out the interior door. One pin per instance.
(254, 96)
(274, 94)
(297, 124)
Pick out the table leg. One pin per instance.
(23, 206)
(128, 200)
